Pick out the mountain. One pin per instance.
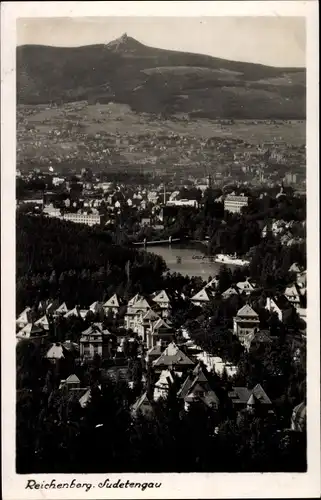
(162, 81)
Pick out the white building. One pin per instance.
(82, 218)
(234, 204)
(182, 203)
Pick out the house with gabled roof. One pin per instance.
(245, 322)
(56, 352)
(83, 313)
(302, 279)
(43, 322)
(173, 357)
(229, 292)
(31, 331)
(155, 352)
(245, 287)
(71, 382)
(213, 284)
(24, 317)
(145, 324)
(241, 397)
(143, 406)
(72, 347)
(294, 294)
(52, 306)
(61, 310)
(167, 379)
(135, 299)
(42, 306)
(86, 398)
(112, 304)
(295, 268)
(162, 300)
(72, 313)
(201, 298)
(196, 389)
(92, 342)
(257, 339)
(299, 418)
(279, 305)
(136, 308)
(159, 330)
(96, 307)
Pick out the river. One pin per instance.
(188, 265)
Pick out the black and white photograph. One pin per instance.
(160, 247)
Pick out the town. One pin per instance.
(111, 343)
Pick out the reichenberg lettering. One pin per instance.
(34, 485)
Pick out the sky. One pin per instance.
(274, 41)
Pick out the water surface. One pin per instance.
(188, 266)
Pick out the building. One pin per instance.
(136, 308)
(97, 308)
(143, 406)
(56, 352)
(112, 305)
(162, 300)
(159, 330)
(290, 178)
(173, 357)
(293, 294)
(201, 298)
(82, 218)
(24, 317)
(72, 382)
(76, 217)
(245, 322)
(229, 292)
(257, 339)
(145, 324)
(57, 181)
(302, 279)
(52, 306)
(196, 389)
(182, 203)
(245, 287)
(234, 204)
(31, 332)
(295, 269)
(279, 305)
(213, 284)
(93, 341)
(166, 380)
(155, 352)
(61, 310)
(299, 418)
(241, 397)
(73, 313)
(43, 322)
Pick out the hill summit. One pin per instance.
(159, 81)
(124, 43)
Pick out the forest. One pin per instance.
(77, 264)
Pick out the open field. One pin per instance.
(112, 118)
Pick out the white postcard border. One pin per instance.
(173, 485)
